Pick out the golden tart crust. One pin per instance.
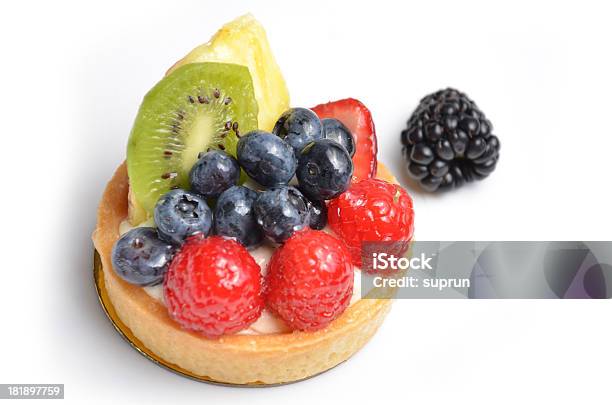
(233, 359)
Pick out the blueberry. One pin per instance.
(214, 172)
(336, 131)
(179, 214)
(235, 217)
(281, 211)
(324, 170)
(140, 257)
(266, 158)
(298, 127)
(318, 214)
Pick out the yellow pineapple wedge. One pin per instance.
(244, 42)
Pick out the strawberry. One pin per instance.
(358, 119)
(373, 210)
(310, 280)
(213, 286)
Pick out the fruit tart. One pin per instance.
(230, 239)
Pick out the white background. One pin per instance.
(71, 79)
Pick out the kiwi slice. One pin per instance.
(200, 106)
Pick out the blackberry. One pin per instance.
(449, 142)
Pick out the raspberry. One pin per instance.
(213, 286)
(373, 210)
(310, 280)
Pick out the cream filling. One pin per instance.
(267, 323)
